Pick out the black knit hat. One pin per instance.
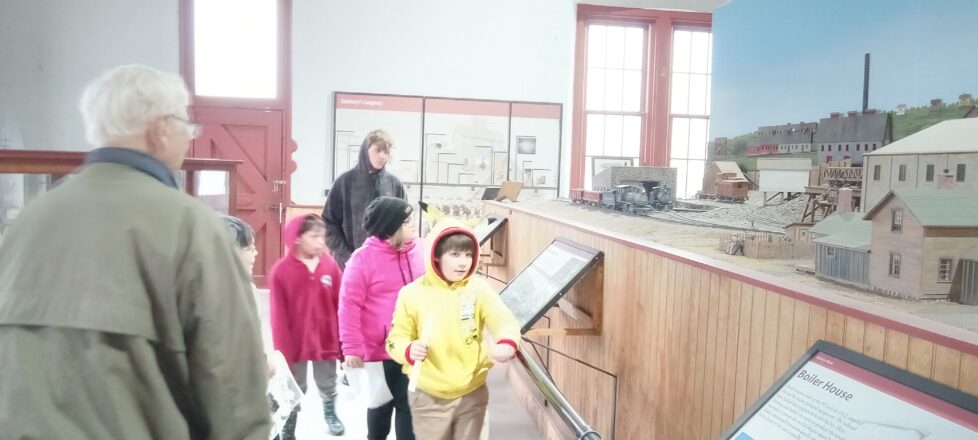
(385, 215)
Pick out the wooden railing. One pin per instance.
(694, 341)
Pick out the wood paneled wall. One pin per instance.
(694, 341)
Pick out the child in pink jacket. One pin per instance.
(390, 259)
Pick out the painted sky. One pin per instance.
(779, 61)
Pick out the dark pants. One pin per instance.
(379, 419)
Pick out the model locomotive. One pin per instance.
(631, 199)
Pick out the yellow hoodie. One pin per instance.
(451, 316)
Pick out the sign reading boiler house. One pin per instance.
(835, 394)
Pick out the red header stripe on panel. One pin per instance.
(467, 107)
(900, 391)
(378, 102)
(545, 111)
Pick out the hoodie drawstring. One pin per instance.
(400, 269)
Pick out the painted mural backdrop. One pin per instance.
(788, 76)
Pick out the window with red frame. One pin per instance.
(622, 88)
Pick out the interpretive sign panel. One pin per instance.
(547, 279)
(836, 394)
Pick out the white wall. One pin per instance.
(50, 49)
(503, 49)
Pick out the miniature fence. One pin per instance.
(764, 246)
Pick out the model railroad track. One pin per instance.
(672, 217)
(767, 221)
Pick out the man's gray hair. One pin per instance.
(126, 100)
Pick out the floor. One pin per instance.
(507, 417)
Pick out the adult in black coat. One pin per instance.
(353, 191)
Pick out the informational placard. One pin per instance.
(836, 394)
(547, 279)
(484, 232)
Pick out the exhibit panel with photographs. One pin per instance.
(448, 151)
(535, 140)
(359, 114)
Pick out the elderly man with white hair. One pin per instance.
(124, 312)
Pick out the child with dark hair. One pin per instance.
(305, 287)
(438, 321)
(244, 238)
(389, 259)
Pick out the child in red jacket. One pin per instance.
(305, 286)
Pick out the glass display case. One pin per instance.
(26, 174)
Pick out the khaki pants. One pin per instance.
(449, 419)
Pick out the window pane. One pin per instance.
(694, 176)
(613, 90)
(697, 94)
(709, 59)
(587, 172)
(634, 48)
(697, 138)
(709, 92)
(679, 148)
(700, 52)
(632, 101)
(680, 166)
(616, 47)
(631, 136)
(594, 146)
(235, 48)
(596, 43)
(680, 51)
(680, 93)
(612, 135)
(595, 89)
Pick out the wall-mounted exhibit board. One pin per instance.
(449, 150)
(832, 393)
(401, 116)
(546, 279)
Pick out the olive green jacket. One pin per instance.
(125, 314)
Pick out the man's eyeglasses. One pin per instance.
(193, 129)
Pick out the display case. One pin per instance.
(26, 174)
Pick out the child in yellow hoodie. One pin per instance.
(438, 321)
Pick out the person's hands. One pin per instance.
(503, 353)
(354, 362)
(269, 368)
(419, 351)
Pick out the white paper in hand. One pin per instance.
(370, 383)
(284, 393)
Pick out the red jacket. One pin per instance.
(303, 305)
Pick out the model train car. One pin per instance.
(728, 187)
(630, 199)
(732, 190)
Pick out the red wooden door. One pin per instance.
(254, 137)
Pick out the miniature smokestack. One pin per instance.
(945, 180)
(843, 202)
(866, 83)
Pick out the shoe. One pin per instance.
(332, 421)
(288, 431)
